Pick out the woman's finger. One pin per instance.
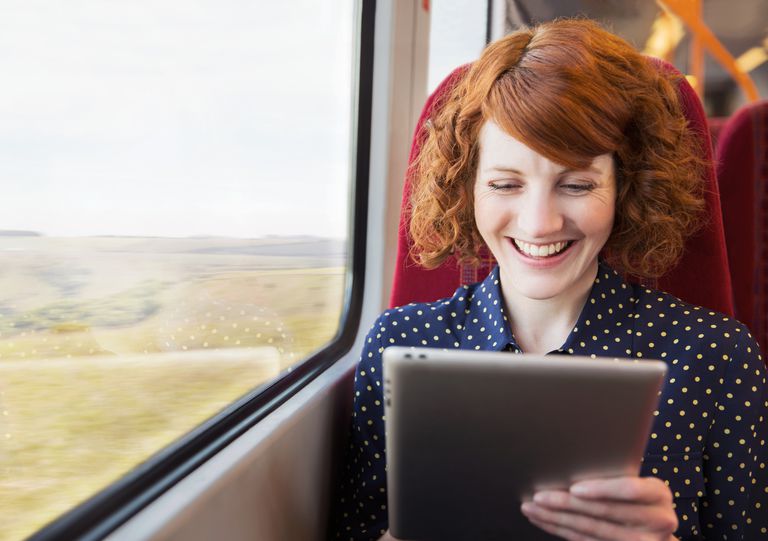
(658, 517)
(565, 533)
(577, 524)
(628, 489)
(581, 526)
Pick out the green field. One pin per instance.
(111, 349)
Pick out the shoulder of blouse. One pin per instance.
(714, 334)
(446, 309)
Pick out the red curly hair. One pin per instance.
(571, 91)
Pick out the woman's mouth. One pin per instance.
(542, 251)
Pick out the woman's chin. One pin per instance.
(546, 283)
(538, 289)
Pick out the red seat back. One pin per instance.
(716, 124)
(742, 172)
(701, 277)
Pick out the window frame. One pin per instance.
(111, 507)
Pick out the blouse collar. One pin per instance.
(608, 312)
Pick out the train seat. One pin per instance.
(716, 124)
(702, 276)
(742, 172)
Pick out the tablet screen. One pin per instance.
(470, 435)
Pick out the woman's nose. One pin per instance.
(539, 216)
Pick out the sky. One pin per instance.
(180, 118)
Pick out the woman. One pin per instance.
(566, 154)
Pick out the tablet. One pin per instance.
(470, 435)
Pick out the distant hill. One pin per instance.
(299, 246)
(18, 233)
(290, 248)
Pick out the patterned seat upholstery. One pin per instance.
(701, 277)
(742, 172)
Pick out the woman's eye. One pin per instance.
(578, 188)
(503, 186)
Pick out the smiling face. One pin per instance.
(545, 224)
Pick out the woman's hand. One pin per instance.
(626, 508)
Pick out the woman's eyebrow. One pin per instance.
(502, 169)
(564, 171)
(591, 169)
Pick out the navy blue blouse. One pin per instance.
(708, 440)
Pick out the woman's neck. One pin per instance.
(542, 325)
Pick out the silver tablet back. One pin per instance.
(472, 434)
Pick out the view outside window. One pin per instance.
(457, 33)
(174, 183)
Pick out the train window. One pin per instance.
(176, 183)
(457, 35)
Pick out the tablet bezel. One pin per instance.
(471, 434)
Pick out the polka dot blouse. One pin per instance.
(708, 440)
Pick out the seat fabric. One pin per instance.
(742, 172)
(701, 277)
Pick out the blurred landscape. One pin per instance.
(113, 347)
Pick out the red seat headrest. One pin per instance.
(701, 277)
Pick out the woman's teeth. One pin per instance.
(542, 250)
